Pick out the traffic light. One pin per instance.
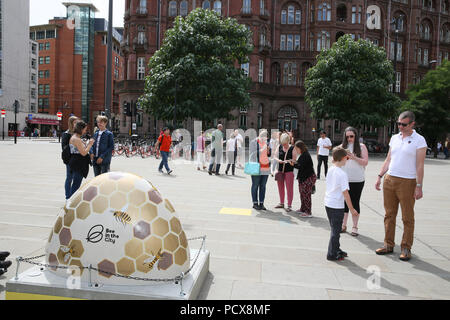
(127, 108)
(16, 106)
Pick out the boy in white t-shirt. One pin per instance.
(336, 194)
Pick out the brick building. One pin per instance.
(287, 36)
(72, 65)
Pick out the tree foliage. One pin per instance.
(430, 102)
(197, 62)
(350, 83)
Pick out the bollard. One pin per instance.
(18, 259)
(90, 276)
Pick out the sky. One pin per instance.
(41, 11)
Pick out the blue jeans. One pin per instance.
(259, 183)
(100, 168)
(69, 180)
(164, 161)
(76, 182)
(335, 216)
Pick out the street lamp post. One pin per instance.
(395, 24)
(16, 110)
(109, 65)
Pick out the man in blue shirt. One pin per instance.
(101, 151)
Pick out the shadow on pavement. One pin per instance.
(277, 216)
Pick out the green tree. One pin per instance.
(350, 83)
(430, 102)
(197, 66)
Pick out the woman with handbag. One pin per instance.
(65, 143)
(259, 154)
(285, 174)
(306, 178)
(80, 160)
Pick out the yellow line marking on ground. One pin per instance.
(236, 211)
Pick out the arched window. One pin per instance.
(287, 118)
(290, 74)
(183, 8)
(400, 18)
(444, 33)
(291, 15)
(206, 4)
(262, 37)
(425, 30)
(323, 41)
(276, 74)
(172, 9)
(341, 13)
(324, 12)
(218, 7)
(283, 16)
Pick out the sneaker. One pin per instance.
(255, 206)
(405, 255)
(299, 212)
(3, 255)
(306, 215)
(261, 207)
(210, 173)
(170, 172)
(288, 209)
(337, 258)
(342, 253)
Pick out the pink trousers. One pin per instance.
(287, 181)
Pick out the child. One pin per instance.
(337, 191)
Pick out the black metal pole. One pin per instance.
(109, 65)
(59, 132)
(16, 106)
(3, 131)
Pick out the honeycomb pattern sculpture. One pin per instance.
(119, 223)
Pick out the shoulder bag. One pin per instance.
(253, 168)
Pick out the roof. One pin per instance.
(79, 4)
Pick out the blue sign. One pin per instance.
(30, 117)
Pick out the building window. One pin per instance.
(246, 68)
(47, 73)
(425, 31)
(283, 16)
(40, 35)
(353, 14)
(33, 78)
(206, 5)
(47, 46)
(444, 33)
(141, 68)
(323, 41)
(312, 13)
(47, 60)
(33, 63)
(290, 74)
(399, 51)
(298, 16)
(218, 7)
(398, 80)
(291, 15)
(50, 34)
(33, 93)
(141, 38)
(290, 42)
(183, 8)
(260, 116)
(425, 57)
(311, 41)
(283, 42)
(324, 12)
(261, 71)
(41, 60)
(297, 42)
(33, 48)
(47, 89)
(41, 89)
(419, 56)
(172, 9)
(243, 118)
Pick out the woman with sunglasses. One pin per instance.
(355, 168)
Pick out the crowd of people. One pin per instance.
(279, 157)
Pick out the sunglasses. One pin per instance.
(403, 124)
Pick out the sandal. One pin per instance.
(280, 206)
(355, 232)
(288, 209)
(344, 229)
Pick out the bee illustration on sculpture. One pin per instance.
(151, 262)
(122, 216)
(69, 252)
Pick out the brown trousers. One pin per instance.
(399, 190)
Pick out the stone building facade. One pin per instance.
(287, 36)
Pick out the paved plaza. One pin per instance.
(265, 255)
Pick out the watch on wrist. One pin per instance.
(419, 185)
(380, 176)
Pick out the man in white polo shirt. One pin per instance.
(324, 146)
(404, 166)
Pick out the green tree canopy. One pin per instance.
(197, 62)
(430, 102)
(350, 83)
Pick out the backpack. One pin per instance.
(66, 155)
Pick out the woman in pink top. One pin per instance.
(201, 150)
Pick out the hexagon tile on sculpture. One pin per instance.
(90, 194)
(100, 204)
(141, 266)
(108, 187)
(58, 225)
(106, 266)
(160, 227)
(153, 245)
(125, 266)
(180, 256)
(83, 210)
(141, 230)
(155, 196)
(77, 263)
(134, 248)
(183, 240)
(149, 212)
(136, 197)
(165, 262)
(65, 236)
(77, 248)
(171, 243)
(126, 184)
(53, 261)
(115, 175)
(169, 206)
(175, 225)
(118, 200)
(69, 217)
(77, 197)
